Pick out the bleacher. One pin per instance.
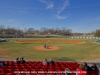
(37, 68)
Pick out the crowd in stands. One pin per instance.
(21, 60)
(83, 68)
(46, 62)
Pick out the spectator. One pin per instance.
(51, 62)
(17, 60)
(1, 64)
(66, 72)
(22, 60)
(95, 70)
(4, 63)
(94, 67)
(45, 62)
(87, 68)
(81, 70)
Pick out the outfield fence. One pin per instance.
(50, 36)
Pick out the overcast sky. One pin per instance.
(78, 15)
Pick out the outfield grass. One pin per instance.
(67, 51)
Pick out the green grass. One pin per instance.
(67, 51)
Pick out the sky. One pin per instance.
(78, 15)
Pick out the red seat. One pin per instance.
(4, 71)
(43, 74)
(52, 73)
(11, 71)
(31, 74)
(11, 74)
(94, 73)
(21, 74)
(2, 74)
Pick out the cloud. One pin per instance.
(49, 4)
(61, 17)
(61, 9)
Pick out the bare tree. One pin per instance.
(31, 31)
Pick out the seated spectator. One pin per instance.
(81, 70)
(94, 67)
(95, 70)
(45, 62)
(3, 63)
(17, 60)
(66, 72)
(51, 62)
(87, 68)
(22, 60)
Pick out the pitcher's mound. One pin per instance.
(51, 48)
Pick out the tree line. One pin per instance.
(31, 31)
(42, 31)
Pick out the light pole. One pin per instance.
(75, 30)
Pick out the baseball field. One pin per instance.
(59, 49)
